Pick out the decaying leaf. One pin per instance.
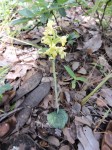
(53, 140)
(32, 100)
(64, 147)
(108, 50)
(107, 139)
(107, 94)
(28, 86)
(67, 134)
(94, 43)
(87, 139)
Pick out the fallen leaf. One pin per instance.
(75, 65)
(101, 102)
(94, 43)
(108, 50)
(64, 147)
(4, 129)
(67, 134)
(87, 138)
(10, 54)
(18, 70)
(82, 71)
(28, 86)
(54, 141)
(67, 96)
(83, 120)
(107, 94)
(107, 139)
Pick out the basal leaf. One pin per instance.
(58, 120)
(81, 79)
(71, 73)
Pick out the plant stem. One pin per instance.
(55, 84)
(85, 100)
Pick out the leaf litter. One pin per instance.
(88, 60)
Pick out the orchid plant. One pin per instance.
(56, 119)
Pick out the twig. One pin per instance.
(5, 115)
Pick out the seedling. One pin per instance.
(75, 79)
(59, 118)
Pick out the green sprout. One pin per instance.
(56, 119)
(75, 79)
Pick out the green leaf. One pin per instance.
(73, 35)
(73, 84)
(44, 17)
(62, 12)
(61, 1)
(81, 79)
(27, 13)
(58, 120)
(5, 87)
(19, 21)
(71, 73)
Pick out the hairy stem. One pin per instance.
(86, 99)
(55, 85)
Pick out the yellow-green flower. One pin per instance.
(63, 40)
(52, 39)
(49, 29)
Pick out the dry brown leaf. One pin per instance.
(83, 120)
(67, 96)
(18, 70)
(64, 147)
(46, 101)
(67, 134)
(107, 140)
(87, 138)
(108, 50)
(53, 140)
(101, 102)
(4, 129)
(107, 94)
(10, 54)
(82, 71)
(75, 65)
(94, 43)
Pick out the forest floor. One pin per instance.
(24, 109)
